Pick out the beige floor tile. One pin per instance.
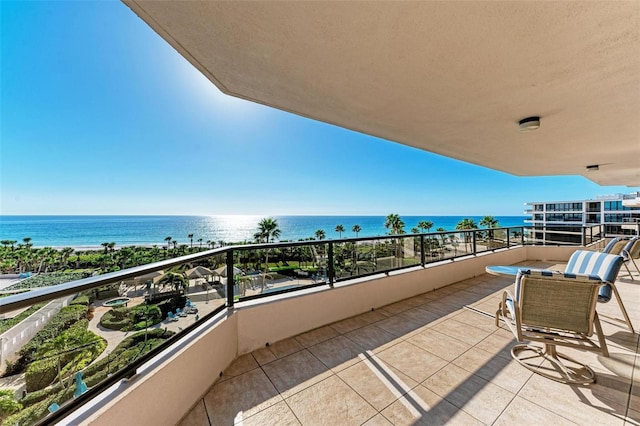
(372, 338)
(503, 372)
(421, 316)
(463, 332)
(576, 403)
(240, 397)
(399, 326)
(497, 344)
(523, 412)
(632, 418)
(423, 407)
(378, 383)
(239, 366)
(316, 336)
(349, 324)
(263, 356)
(285, 347)
(439, 344)
(337, 353)
(296, 372)
(476, 396)
(374, 316)
(476, 319)
(443, 312)
(634, 400)
(396, 308)
(330, 402)
(411, 360)
(196, 417)
(278, 414)
(377, 420)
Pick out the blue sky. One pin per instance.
(100, 116)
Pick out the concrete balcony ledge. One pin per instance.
(166, 388)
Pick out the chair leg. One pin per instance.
(601, 339)
(636, 266)
(622, 308)
(577, 374)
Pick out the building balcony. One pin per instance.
(413, 346)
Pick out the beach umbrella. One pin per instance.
(153, 276)
(198, 272)
(222, 271)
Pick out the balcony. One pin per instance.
(430, 359)
(405, 345)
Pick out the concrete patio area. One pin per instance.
(437, 358)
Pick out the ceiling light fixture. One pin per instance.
(529, 123)
(593, 168)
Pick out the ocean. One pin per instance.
(91, 231)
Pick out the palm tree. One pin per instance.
(27, 242)
(489, 222)
(466, 224)
(168, 240)
(396, 226)
(190, 236)
(356, 229)
(267, 230)
(443, 238)
(414, 230)
(106, 247)
(425, 225)
(340, 230)
(200, 241)
(320, 235)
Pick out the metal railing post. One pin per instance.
(508, 238)
(423, 255)
(584, 237)
(331, 265)
(230, 280)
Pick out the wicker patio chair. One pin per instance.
(606, 267)
(554, 309)
(628, 248)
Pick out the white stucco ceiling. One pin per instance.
(452, 78)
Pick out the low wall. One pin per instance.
(179, 378)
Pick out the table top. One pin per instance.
(505, 271)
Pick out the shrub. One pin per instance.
(58, 324)
(8, 404)
(115, 319)
(40, 374)
(80, 300)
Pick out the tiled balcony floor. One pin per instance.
(425, 360)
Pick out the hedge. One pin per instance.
(41, 373)
(58, 324)
(135, 318)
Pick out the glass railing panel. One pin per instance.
(77, 344)
(104, 326)
(356, 258)
(268, 271)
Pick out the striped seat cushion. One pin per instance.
(605, 266)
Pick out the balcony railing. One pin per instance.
(238, 273)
